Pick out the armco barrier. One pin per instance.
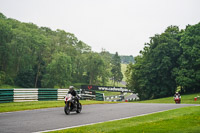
(31, 94)
(6, 95)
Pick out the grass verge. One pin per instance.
(110, 83)
(8, 87)
(185, 99)
(182, 120)
(15, 106)
(123, 68)
(109, 93)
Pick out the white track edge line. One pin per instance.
(100, 122)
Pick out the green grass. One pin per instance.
(8, 87)
(123, 68)
(110, 83)
(185, 99)
(182, 120)
(127, 94)
(19, 106)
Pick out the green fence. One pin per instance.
(6, 95)
(99, 96)
(47, 94)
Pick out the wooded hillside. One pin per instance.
(32, 56)
(169, 62)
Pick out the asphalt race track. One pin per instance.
(55, 118)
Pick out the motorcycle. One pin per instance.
(177, 100)
(71, 105)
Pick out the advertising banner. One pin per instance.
(104, 88)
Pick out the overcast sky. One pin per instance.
(121, 26)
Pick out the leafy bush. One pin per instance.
(25, 78)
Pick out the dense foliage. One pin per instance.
(171, 60)
(32, 56)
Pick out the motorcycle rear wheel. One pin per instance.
(79, 108)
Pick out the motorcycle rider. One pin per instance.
(73, 93)
(177, 95)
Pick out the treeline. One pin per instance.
(169, 62)
(127, 59)
(32, 56)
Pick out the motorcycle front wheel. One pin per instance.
(66, 109)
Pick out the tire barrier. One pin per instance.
(31, 94)
(132, 97)
(25, 95)
(6, 95)
(100, 97)
(47, 94)
(114, 98)
(61, 93)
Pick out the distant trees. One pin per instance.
(127, 59)
(32, 56)
(171, 59)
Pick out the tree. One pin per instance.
(106, 56)
(5, 39)
(25, 78)
(188, 73)
(116, 68)
(58, 72)
(128, 74)
(79, 62)
(127, 59)
(152, 73)
(95, 68)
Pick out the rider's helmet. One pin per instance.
(71, 88)
(176, 93)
